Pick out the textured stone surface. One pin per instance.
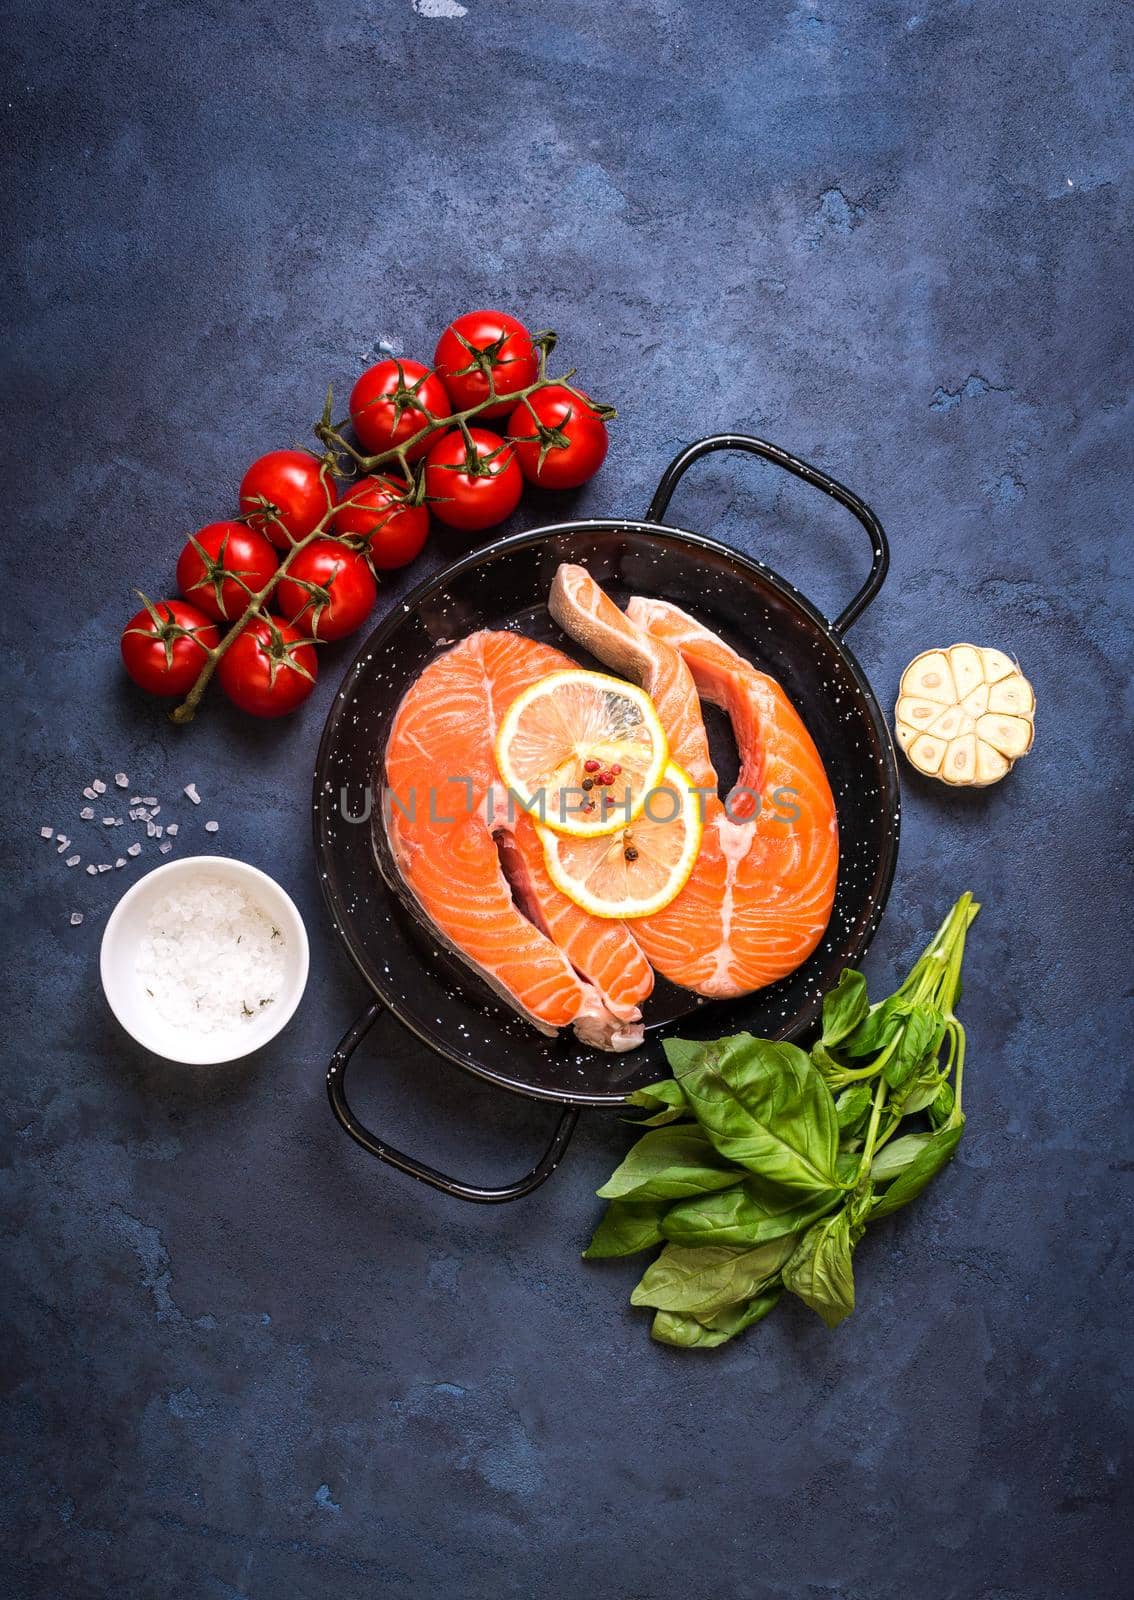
(243, 1360)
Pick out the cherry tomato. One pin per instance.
(327, 590)
(393, 531)
(472, 487)
(481, 340)
(295, 487)
(560, 438)
(388, 405)
(269, 668)
(164, 646)
(222, 566)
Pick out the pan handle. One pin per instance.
(880, 549)
(336, 1089)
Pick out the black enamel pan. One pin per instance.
(505, 585)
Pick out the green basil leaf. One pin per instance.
(833, 1070)
(942, 1107)
(690, 1333)
(681, 1053)
(669, 1164)
(684, 1333)
(735, 1319)
(848, 1165)
(920, 1041)
(852, 1108)
(895, 1157)
(878, 1027)
(701, 1281)
(748, 1215)
(820, 1271)
(922, 1094)
(666, 1099)
(766, 1107)
(626, 1228)
(844, 1007)
(922, 1169)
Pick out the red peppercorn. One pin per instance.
(616, 769)
(591, 765)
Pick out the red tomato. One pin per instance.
(164, 646)
(482, 340)
(390, 402)
(560, 438)
(472, 488)
(327, 590)
(294, 486)
(378, 515)
(222, 566)
(268, 669)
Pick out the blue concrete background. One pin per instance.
(243, 1362)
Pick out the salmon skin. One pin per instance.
(472, 869)
(760, 895)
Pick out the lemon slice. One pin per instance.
(642, 867)
(582, 750)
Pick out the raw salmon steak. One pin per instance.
(476, 872)
(760, 895)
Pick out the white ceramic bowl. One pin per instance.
(125, 991)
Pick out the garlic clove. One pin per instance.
(930, 677)
(991, 766)
(1012, 736)
(968, 669)
(1013, 695)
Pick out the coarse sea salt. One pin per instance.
(211, 959)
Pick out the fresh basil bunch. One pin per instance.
(763, 1165)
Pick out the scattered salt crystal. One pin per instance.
(76, 918)
(157, 831)
(104, 866)
(151, 830)
(73, 861)
(89, 793)
(191, 791)
(121, 780)
(154, 810)
(171, 828)
(211, 959)
(133, 850)
(87, 813)
(62, 847)
(165, 848)
(121, 862)
(135, 799)
(109, 822)
(212, 827)
(98, 786)
(47, 833)
(137, 814)
(92, 870)
(63, 839)
(149, 799)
